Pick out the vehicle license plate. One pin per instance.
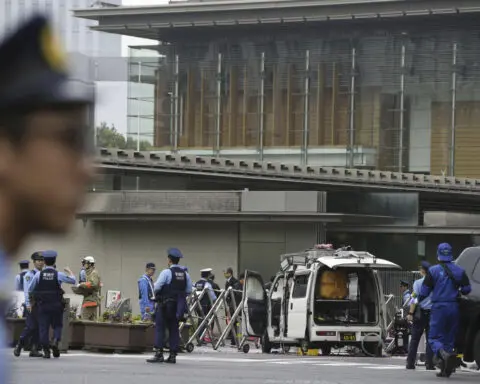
(348, 336)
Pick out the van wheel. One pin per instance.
(326, 350)
(476, 349)
(266, 344)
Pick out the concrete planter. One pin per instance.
(77, 334)
(115, 337)
(14, 330)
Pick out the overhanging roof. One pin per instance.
(152, 162)
(151, 21)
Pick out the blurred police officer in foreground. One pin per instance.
(30, 332)
(44, 168)
(419, 316)
(47, 292)
(445, 281)
(171, 289)
(146, 294)
(24, 264)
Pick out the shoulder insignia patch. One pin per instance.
(28, 278)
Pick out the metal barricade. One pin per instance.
(221, 309)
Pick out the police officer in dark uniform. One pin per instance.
(171, 289)
(30, 332)
(47, 292)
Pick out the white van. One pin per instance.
(294, 313)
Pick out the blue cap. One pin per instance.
(49, 255)
(175, 252)
(24, 263)
(150, 266)
(444, 252)
(37, 256)
(404, 283)
(425, 265)
(33, 70)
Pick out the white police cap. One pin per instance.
(206, 270)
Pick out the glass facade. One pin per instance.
(397, 96)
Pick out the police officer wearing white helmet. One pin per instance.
(90, 290)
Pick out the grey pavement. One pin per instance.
(202, 367)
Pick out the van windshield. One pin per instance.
(345, 296)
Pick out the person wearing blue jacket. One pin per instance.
(146, 294)
(444, 282)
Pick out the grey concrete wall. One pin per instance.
(123, 248)
(261, 244)
(283, 201)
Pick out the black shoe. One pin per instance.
(34, 352)
(157, 358)
(430, 367)
(18, 350)
(46, 353)
(410, 366)
(55, 350)
(172, 358)
(450, 364)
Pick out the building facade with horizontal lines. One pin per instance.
(321, 84)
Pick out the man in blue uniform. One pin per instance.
(82, 276)
(146, 294)
(30, 332)
(48, 295)
(24, 264)
(419, 316)
(171, 289)
(445, 281)
(45, 156)
(208, 297)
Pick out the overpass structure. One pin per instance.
(319, 177)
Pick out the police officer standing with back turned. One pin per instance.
(445, 281)
(47, 291)
(30, 332)
(171, 289)
(24, 264)
(45, 146)
(419, 316)
(208, 297)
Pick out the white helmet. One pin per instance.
(89, 259)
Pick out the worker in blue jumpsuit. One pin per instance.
(30, 332)
(47, 292)
(24, 265)
(445, 281)
(171, 290)
(208, 297)
(146, 294)
(419, 317)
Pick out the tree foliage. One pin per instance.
(109, 137)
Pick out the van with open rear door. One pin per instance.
(322, 298)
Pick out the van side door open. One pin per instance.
(255, 307)
(298, 306)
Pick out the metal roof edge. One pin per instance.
(224, 6)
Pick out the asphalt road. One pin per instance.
(226, 368)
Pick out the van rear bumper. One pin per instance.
(345, 335)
